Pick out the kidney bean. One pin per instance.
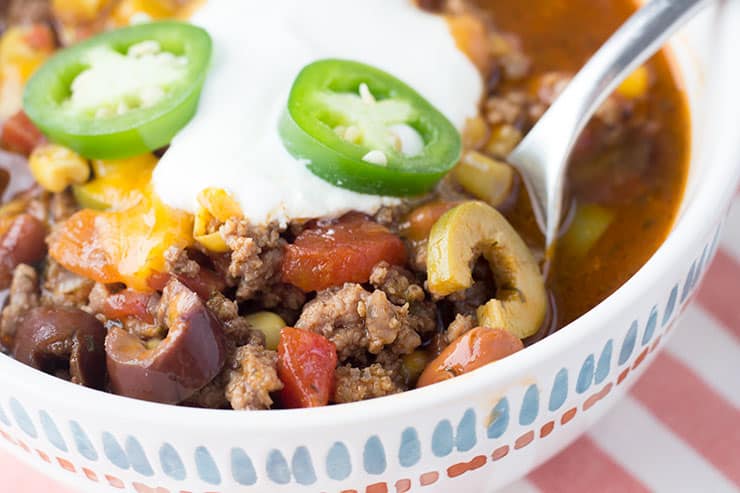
(22, 241)
(475, 348)
(50, 338)
(191, 355)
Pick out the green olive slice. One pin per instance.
(475, 228)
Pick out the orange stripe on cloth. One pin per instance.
(584, 468)
(720, 292)
(692, 410)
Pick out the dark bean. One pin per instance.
(23, 242)
(54, 338)
(191, 355)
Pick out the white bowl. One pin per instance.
(474, 433)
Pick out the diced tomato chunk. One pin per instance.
(20, 135)
(339, 251)
(129, 303)
(306, 363)
(40, 37)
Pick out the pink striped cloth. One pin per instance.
(678, 430)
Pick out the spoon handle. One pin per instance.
(543, 155)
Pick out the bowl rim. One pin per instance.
(710, 199)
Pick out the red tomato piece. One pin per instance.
(129, 303)
(40, 38)
(306, 363)
(339, 251)
(20, 135)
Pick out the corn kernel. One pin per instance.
(270, 324)
(128, 10)
(79, 11)
(484, 178)
(55, 167)
(475, 133)
(636, 84)
(503, 139)
(213, 242)
(216, 206)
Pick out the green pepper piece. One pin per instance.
(122, 93)
(342, 120)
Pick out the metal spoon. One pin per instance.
(542, 156)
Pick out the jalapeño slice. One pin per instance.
(362, 129)
(121, 93)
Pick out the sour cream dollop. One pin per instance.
(259, 49)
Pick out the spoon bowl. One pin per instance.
(542, 157)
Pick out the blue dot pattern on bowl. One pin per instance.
(586, 375)
(4, 417)
(465, 438)
(373, 457)
(442, 439)
(559, 392)
(409, 453)
(499, 420)
(22, 418)
(137, 457)
(171, 462)
(628, 345)
(52, 432)
(670, 306)
(530, 406)
(303, 467)
(650, 327)
(114, 452)
(83, 443)
(689, 282)
(337, 464)
(206, 466)
(242, 468)
(277, 467)
(604, 364)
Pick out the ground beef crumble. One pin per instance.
(251, 377)
(61, 287)
(398, 283)
(250, 372)
(401, 286)
(256, 255)
(23, 295)
(358, 321)
(236, 328)
(180, 263)
(355, 384)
